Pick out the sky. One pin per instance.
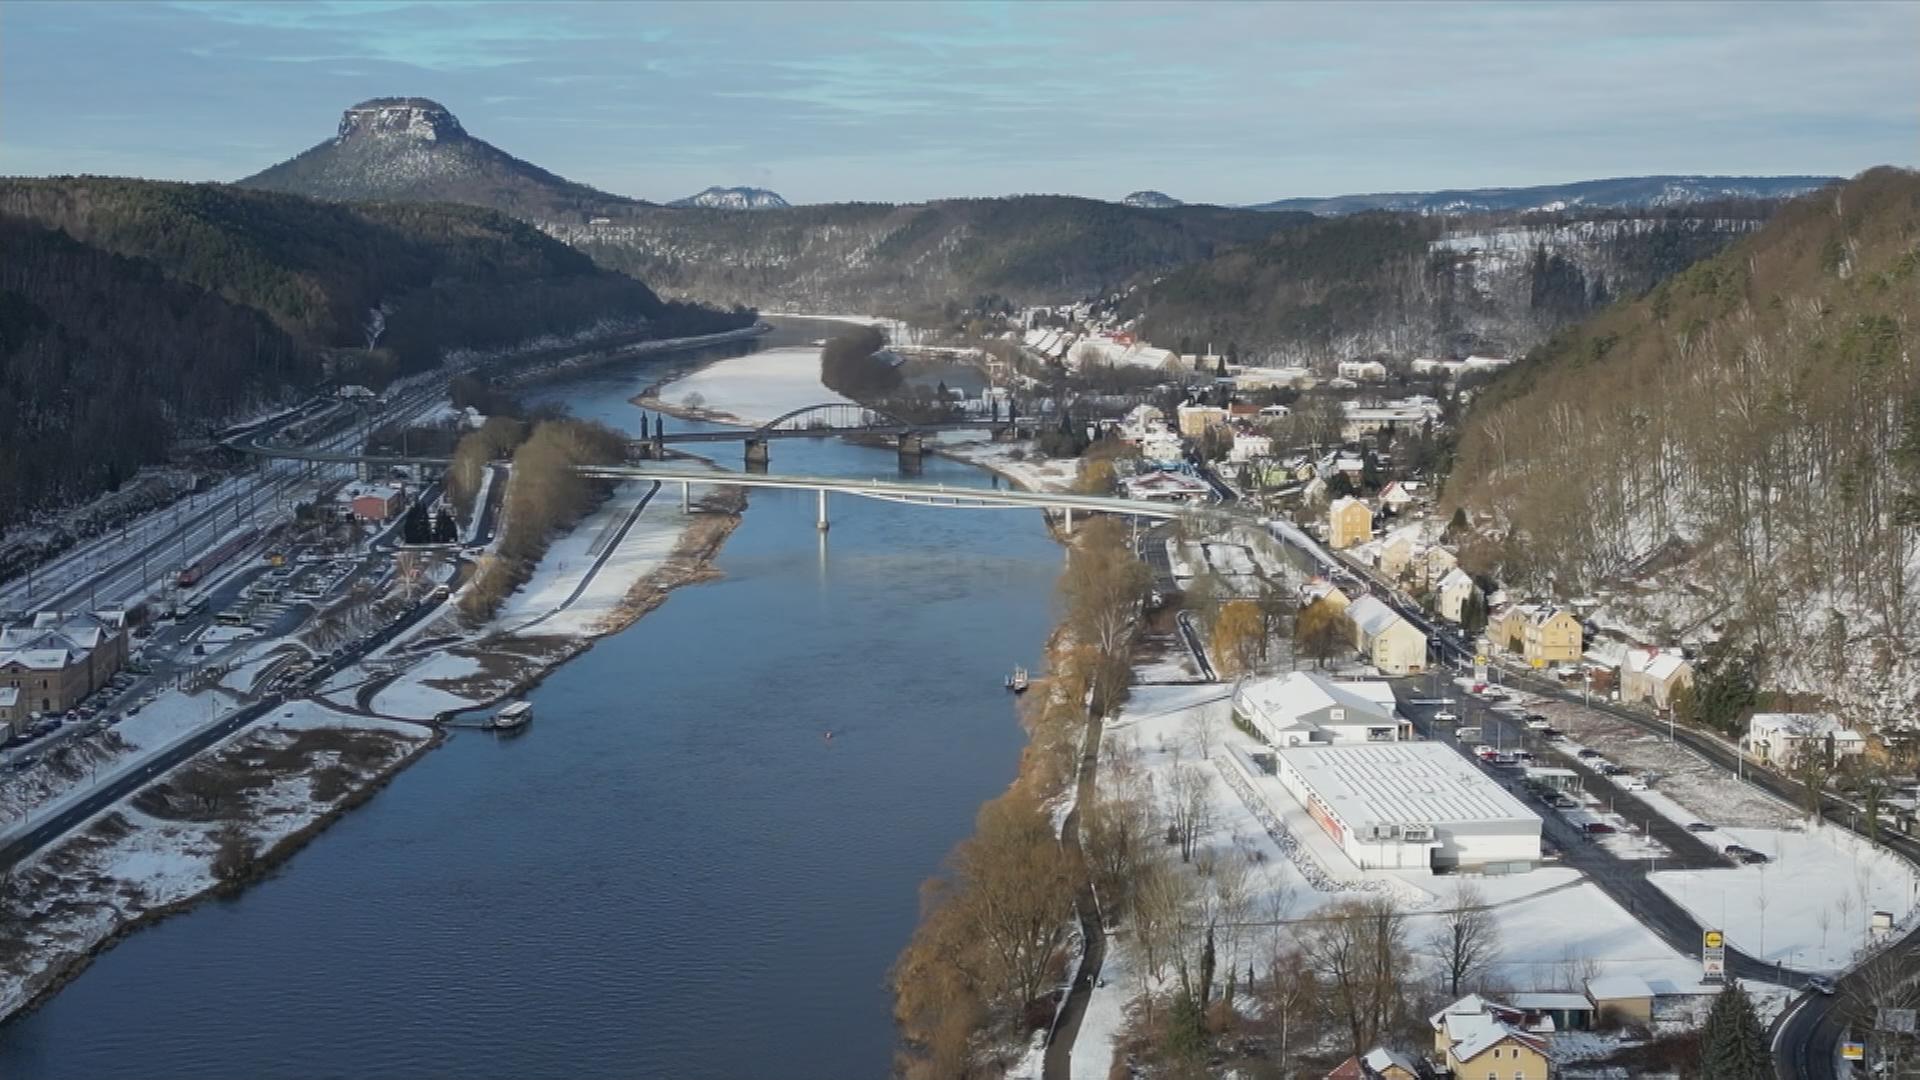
(1227, 103)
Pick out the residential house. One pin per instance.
(1166, 485)
(1195, 420)
(1780, 739)
(1248, 445)
(1321, 589)
(1438, 563)
(1389, 642)
(1349, 522)
(1653, 675)
(1452, 594)
(1396, 553)
(1141, 421)
(1363, 370)
(1474, 1038)
(54, 661)
(1163, 447)
(1378, 1063)
(1542, 635)
(1306, 709)
(1397, 495)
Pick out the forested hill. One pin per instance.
(442, 277)
(1754, 416)
(101, 355)
(1407, 284)
(869, 256)
(133, 311)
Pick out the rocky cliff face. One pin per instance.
(415, 150)
(1151, 200)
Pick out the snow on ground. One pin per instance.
(1809, 907)
(546, 603)
(126, 862)
(1701, 791)
(1553, 940)
(1017, 461)
(411, 697)
(1106, 1014)
(222, 635)
(756, 387)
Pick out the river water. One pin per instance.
(673, 873)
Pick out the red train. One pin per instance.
(207, 563)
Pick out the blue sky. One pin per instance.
(1228, 103)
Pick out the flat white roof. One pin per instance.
(1408, 783)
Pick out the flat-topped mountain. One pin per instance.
(735, 198)
(415, 150)
(1151, 200)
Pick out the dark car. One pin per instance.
(1699, 826)
(1597, 828)
(1588, 752)
(1552, 733)
(1613, 770)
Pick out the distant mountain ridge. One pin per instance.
(412, 149)
(1151, 200)
(1626, 193)
(734, 198)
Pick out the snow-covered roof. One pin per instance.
(1541, 1000)
(1372, 616)
(1380, 1059)
(1476, 1033)
(37, 659)
(1801, 726)
(1654, 663)
(1455, 578)
(1285, 698)
(1404, 783)
(1618, 987)
(1345, 501)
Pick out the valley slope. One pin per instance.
(1736, 449)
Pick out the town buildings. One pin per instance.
(52, 662)
(1349, 522)
(1782, 739)
(1410, 805)
(1451, 595)
(377, 504)
(1389, 642)
(1306, 709)
(1474, 1037)
(1653, 676)
(1542, 635)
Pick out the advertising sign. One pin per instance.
(1853, 1051)
(1713, 956)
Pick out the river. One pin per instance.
(674, 872)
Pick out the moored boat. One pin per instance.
(513, 716)
(1017, 682)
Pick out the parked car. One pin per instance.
(1552, 733)
(1445, 717)
(1588, 753)
(1610, 769)
(1537, 722)
(1482, 750)
(1632, 783)
(1598, 828)
(1698, 827)
(1561, 802)
(1820, 984)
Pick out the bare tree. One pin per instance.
(1190, 810)
(1199, 729)
(1357, 951)
(1466, 941)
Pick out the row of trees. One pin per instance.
(545, 495)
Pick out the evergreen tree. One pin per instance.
(1732, 1044)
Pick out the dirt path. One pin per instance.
(1066, 1028)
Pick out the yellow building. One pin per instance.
(1477, 1038)
(1349, 522)
(1196, 419)
(1541, 635)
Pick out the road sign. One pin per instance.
(1898, 1021)
(1713, 956)
(1853, 1051)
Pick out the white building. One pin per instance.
(1411, 805)
(1780, 738)
(1247, 446)
(1451, 595)
(1406, 415)
(1363, 370)
(1389, 642)
(1305, 709)
(1166, 486)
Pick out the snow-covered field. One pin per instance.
(1810, 906)
(756, 387)
(546, 604)
(1555, 927)
(131, 860)
(1017, 461)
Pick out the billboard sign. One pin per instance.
(1853, 1051)
(1713, 956)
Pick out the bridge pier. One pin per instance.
(758, 452)
(686, 497)
(912, 444)
(822, 524)
(1069, 529)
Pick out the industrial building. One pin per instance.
(1410, 805)
(1304, 709)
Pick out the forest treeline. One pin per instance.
(872, 256)
(851, 367)
(1754, 415)
(133, 312)
(1383, 282)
